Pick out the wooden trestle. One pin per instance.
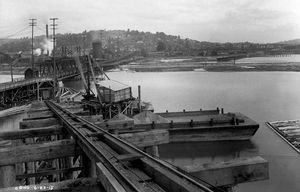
(67, 152)
(24, 91)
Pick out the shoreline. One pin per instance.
(295, 67)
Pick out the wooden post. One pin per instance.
(19, 169)
(30, 166)
(89, 166)
(153, 151)
(7, 176)
(38, 91)
(139, 95)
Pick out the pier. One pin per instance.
(59, 147)
(105, 161)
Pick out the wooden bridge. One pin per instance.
(67, 152)
(22, 91)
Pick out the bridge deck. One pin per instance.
(22, 82)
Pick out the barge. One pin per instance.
(289, 131)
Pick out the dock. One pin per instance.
(57, 148)
(103, 160)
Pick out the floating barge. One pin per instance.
(289, 131)
(186, 126)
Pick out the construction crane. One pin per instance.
(113, 97)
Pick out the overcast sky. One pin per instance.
(203, 20)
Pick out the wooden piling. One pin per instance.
(7, 176)
(139, 95)
(153, 151)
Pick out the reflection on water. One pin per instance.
(182, 154)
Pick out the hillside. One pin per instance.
(116, 43)
(290, 42)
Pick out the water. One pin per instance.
(7, 78)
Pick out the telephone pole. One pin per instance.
(47, 37)
(32, 24)
(54, 27)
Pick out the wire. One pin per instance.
(41, 29)
(16, 33)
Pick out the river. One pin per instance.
(263, 96)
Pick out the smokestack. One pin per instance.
(47, 36)
(97, 49)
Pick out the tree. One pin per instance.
(161, 46)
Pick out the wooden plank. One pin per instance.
(147, 138)
(237, 132)
(39, 117)
(96, 134)
(35, 132)
(168, 180)
(49, 172)
(7, 176)
(38, 123)
(82, 184)
(189, 113)
(117, 124)
(35, 152)
(108, 181)
(231, 172)
(129, 157)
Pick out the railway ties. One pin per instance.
(119, 166)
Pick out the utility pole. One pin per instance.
(54, 27)
(32, 24)
(47, 37)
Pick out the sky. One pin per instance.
(260, 21)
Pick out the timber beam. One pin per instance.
(50, 172)
(29, 133)
(231, 172)
(82, 184)
(38, 123)
(36, 152)
(38, 117)
(147, 138)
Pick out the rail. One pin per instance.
(75, 125)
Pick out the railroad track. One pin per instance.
(131, 169)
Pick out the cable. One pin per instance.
(16, 33)
(42, 30)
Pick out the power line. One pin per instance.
(39, 28)
(32, 24)
(16, 33)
